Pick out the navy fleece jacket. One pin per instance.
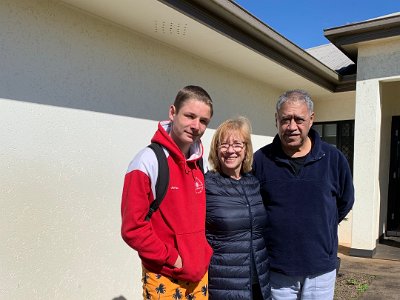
(304, 210)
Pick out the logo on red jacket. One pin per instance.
(198, 186)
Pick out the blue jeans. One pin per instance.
(314, 287)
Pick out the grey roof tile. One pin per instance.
(331, 56)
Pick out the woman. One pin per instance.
(235, 217)
(171, 244)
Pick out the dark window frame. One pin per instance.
(342, 140)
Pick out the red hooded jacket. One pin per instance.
(178, 226)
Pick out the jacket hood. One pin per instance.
(163, 138)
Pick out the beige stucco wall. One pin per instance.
(335, 107)
(377, 62)
(78, 98)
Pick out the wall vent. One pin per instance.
(172, 28)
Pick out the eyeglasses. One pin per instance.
(236, 146)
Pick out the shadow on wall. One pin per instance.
(54, 55)
(119, 298)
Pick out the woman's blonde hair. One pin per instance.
(240, 125)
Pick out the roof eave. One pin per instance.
(345, 37)
(231, 20)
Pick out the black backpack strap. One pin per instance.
(162, 179)
(200, 164)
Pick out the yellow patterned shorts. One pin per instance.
(156, 286)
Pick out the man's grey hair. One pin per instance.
(296, 95)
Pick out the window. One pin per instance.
(339, 134)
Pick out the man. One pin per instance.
(307, 188)
(172, 243)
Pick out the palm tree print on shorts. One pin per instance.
(190, 297)
(145, 277)
(147, 295)
(204, 290)
(160, 290)
(177, 295)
